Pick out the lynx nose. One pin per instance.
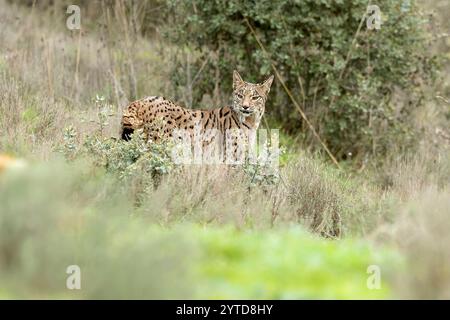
(245, 106)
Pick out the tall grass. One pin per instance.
(50, 74)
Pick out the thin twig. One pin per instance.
(347, 58)
(197, 75)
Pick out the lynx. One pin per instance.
(160, 118)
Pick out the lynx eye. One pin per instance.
(254, 98)
(239, 95)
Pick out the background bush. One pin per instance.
(347, 89)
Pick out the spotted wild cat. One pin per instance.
(159, 117)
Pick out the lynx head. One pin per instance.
(249, 98)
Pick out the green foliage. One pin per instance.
(69, 147)
(289, 264)
(350, 101)
(264, 170)
(136, 164)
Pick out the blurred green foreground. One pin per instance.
(56, 215)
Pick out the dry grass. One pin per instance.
(420, 231)
(50, 75)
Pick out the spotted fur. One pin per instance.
(159, 117)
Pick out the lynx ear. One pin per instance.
(266, 85)
(237, 80)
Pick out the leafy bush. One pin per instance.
(347, 89)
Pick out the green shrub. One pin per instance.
(351, 103)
